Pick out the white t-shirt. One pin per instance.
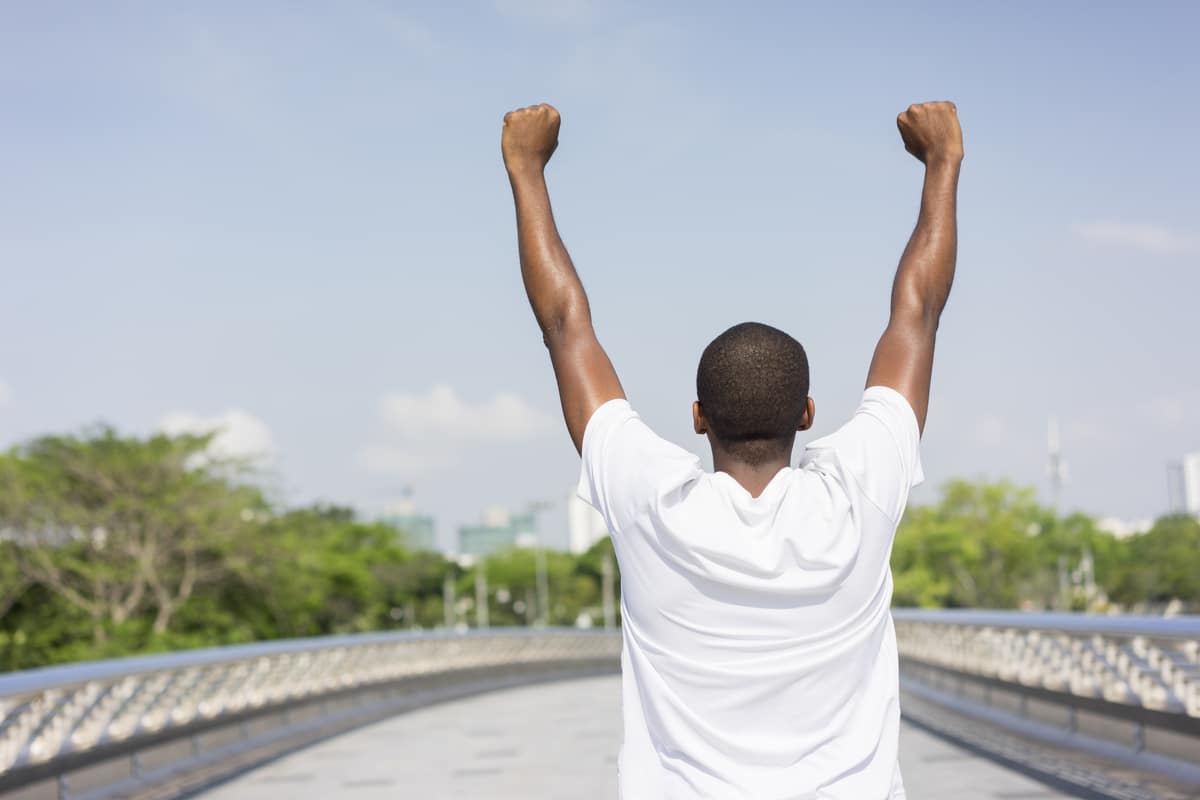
(759, 655)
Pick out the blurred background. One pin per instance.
(267, 369)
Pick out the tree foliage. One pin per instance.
(116, 527)
(990, 545)
(111, 545)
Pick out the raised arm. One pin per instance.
(586, 378)
(904, 356)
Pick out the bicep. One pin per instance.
(585, 375)
(903, 361)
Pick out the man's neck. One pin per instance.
(753, 479)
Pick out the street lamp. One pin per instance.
(466, 561)
(481, 594)
(542, 580)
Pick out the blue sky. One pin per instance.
(292, 218)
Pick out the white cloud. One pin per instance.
(393, 459)
(426, 433)
(1154, 239)
(555, 11)
(239, 435)
(442, 415)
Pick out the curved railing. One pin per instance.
(232, 704)
(1124, 688)
(1119, 688)
(1151, 662)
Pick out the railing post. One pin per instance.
(64, 787)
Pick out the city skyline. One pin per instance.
(294, 222)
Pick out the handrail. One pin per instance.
(1179, 627)
(59, 719)
(1150, 662)
(1140, 670)
(1134, 681)
(65, 674)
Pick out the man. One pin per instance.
(759, 655)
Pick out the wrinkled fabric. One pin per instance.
(759, 655)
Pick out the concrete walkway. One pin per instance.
(557, 741)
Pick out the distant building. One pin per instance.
(499, 529)
(1122, 528)
(585, 526)
(1191, 483)
(417, 531)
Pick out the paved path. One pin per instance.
(556, 741)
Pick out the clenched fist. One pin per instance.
(931, 132)
(529, 137)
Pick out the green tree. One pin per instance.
(973, 549)
(115, 526)
(316, 571)
(1063, 546)
(1162, 564)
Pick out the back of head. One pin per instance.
(752, 386)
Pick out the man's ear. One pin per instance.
(699, 423)
(810, 413)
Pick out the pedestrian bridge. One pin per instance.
(553, 741)
(997, 705)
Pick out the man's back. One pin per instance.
(759, 655)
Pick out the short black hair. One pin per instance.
(752, 385)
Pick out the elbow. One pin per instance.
(919, 305)
(553, 332)
(564, 323)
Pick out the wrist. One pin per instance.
(944, 162)
(524, 171)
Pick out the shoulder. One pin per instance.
(626, 466)
(886, 402)
(615, 429)
(876, 452)
(608, 415)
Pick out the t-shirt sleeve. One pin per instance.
(627, 468)
(879, 449)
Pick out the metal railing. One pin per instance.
(1123, 689)
(1151, 662)
(97, 730)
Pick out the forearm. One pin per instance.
(926, 269)
(554, 289)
